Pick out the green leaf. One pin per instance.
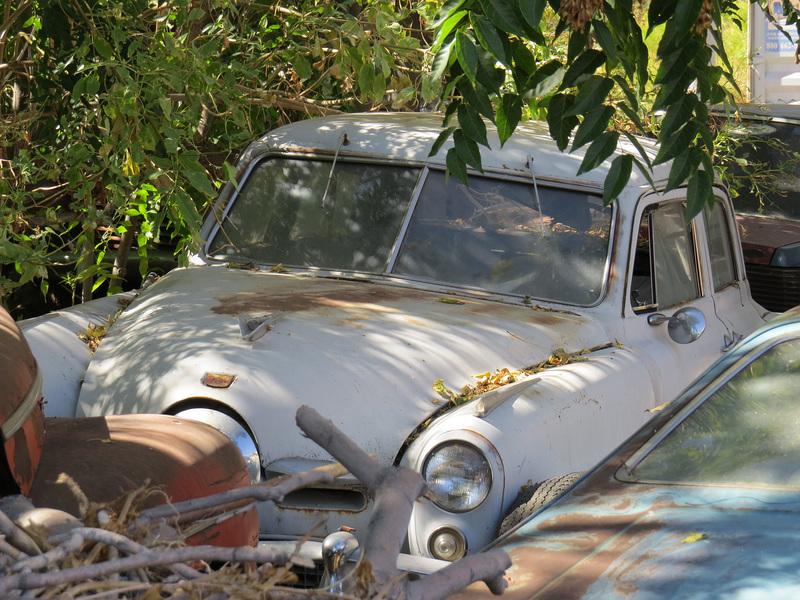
(677, 143)
(187, 210)
(674, 64)
(102, 47)
(489, 75)
(467, 149)
(684, 165)
(645, 171)
(502, 14)
(366, 79)
(660, 12)
(92, 84)
(577, 44)
(489, 37)
(440, 140)
(584, 66)
(441, 60)
(455, 21)
(448, 9)
(618, 176)
(594, 123)
(603, 147)
(472, 125)
(633, 116)
(478, 98)
(524, 60)
(559, 124)
(686, 13)
(509, 113)
(467, 55)
(592, 93)
(699, 193)
(456, 165)
(605, 38)
(547, 77)
(678, 114)
(200, 182)
(77, 89)
(302, 66)
(532, 11)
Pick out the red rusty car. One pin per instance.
(106, 457)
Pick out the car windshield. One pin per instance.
(747, 432)
(495, 234)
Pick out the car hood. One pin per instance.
(365, 355)
(657, 545)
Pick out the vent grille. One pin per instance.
(776, 289)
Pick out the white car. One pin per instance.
(346, 270)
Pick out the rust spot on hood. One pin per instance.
(344, 294)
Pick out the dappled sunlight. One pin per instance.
(356, 342)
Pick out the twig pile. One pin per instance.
(142, 554)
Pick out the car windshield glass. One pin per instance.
(496, 234)
(317, 213)
(747, 432)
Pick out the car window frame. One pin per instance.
(649, 205)
(425, 170)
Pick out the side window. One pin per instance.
(665, 266)
(720, 245)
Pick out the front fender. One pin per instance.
(62, 356)
(563, 419)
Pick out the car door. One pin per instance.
(668, 273)
(733, 303)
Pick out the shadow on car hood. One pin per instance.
(365, 355)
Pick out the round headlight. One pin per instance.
(232, 429)
(458, 475)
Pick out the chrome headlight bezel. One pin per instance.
(233, 430)
(459, 465)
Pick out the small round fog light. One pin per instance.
(447, 544)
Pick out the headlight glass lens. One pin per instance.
(458, 475)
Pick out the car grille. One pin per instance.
(776, 289)
(308, 578)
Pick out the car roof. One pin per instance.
(410, 136)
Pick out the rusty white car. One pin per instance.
(490, 335)
(104, 458)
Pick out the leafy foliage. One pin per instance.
(603, 89)
(121, 119)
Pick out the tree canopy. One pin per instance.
(121, 119)
(589, 72)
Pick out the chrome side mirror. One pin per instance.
(684, 327)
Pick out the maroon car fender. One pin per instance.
(108, 457)
(21, 413)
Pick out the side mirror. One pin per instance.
(684, 327)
